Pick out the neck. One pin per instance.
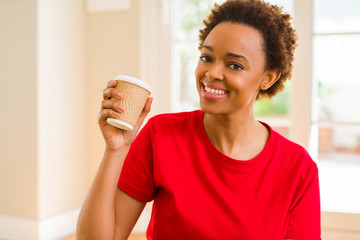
(236, 135)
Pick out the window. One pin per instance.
(336, 114)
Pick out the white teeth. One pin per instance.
(214, 91)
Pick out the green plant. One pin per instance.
(278, 105)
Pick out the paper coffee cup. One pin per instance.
(135, 93)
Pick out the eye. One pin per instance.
(205, 58)
(236, 66)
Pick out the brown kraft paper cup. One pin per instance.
(135, 93)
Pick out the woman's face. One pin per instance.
(230, 71)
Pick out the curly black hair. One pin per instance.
(274, 25)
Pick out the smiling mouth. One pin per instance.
(214, 91)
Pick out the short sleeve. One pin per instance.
(136, 178)
(304, 216)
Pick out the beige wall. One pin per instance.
(112, 47)
(339, 226)
(55, 61)
(18, 106)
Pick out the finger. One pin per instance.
(106, 113)
(111, 83)
(110, 104)
(144, 113)
(109, 93)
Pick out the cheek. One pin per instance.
(199, 72)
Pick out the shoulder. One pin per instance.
(295, 155)
(290, 146)
(178, 120)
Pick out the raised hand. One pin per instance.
(116, 138)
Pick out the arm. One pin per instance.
(98, 218)
(108, 212)
(127, 212)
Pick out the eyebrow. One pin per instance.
(229, 54)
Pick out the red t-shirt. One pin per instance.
(200, 193)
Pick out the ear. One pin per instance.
(270, 77)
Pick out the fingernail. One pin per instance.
(119, 95)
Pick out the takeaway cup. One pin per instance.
(135, 93)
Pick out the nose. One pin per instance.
(215, 72)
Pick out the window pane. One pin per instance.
(278, 105)
(336, 60)
(336, 16)
(188, 18)
(287, 4)
(276, 111)
(186, 56)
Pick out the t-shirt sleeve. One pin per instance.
(136, 178)
(304, 216)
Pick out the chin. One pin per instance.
(213, 110)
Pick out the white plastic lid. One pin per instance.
(133, 80)
(119, 124)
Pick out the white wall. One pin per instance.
(61, 105)
(42, 150)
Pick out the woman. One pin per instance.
(215, 173)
